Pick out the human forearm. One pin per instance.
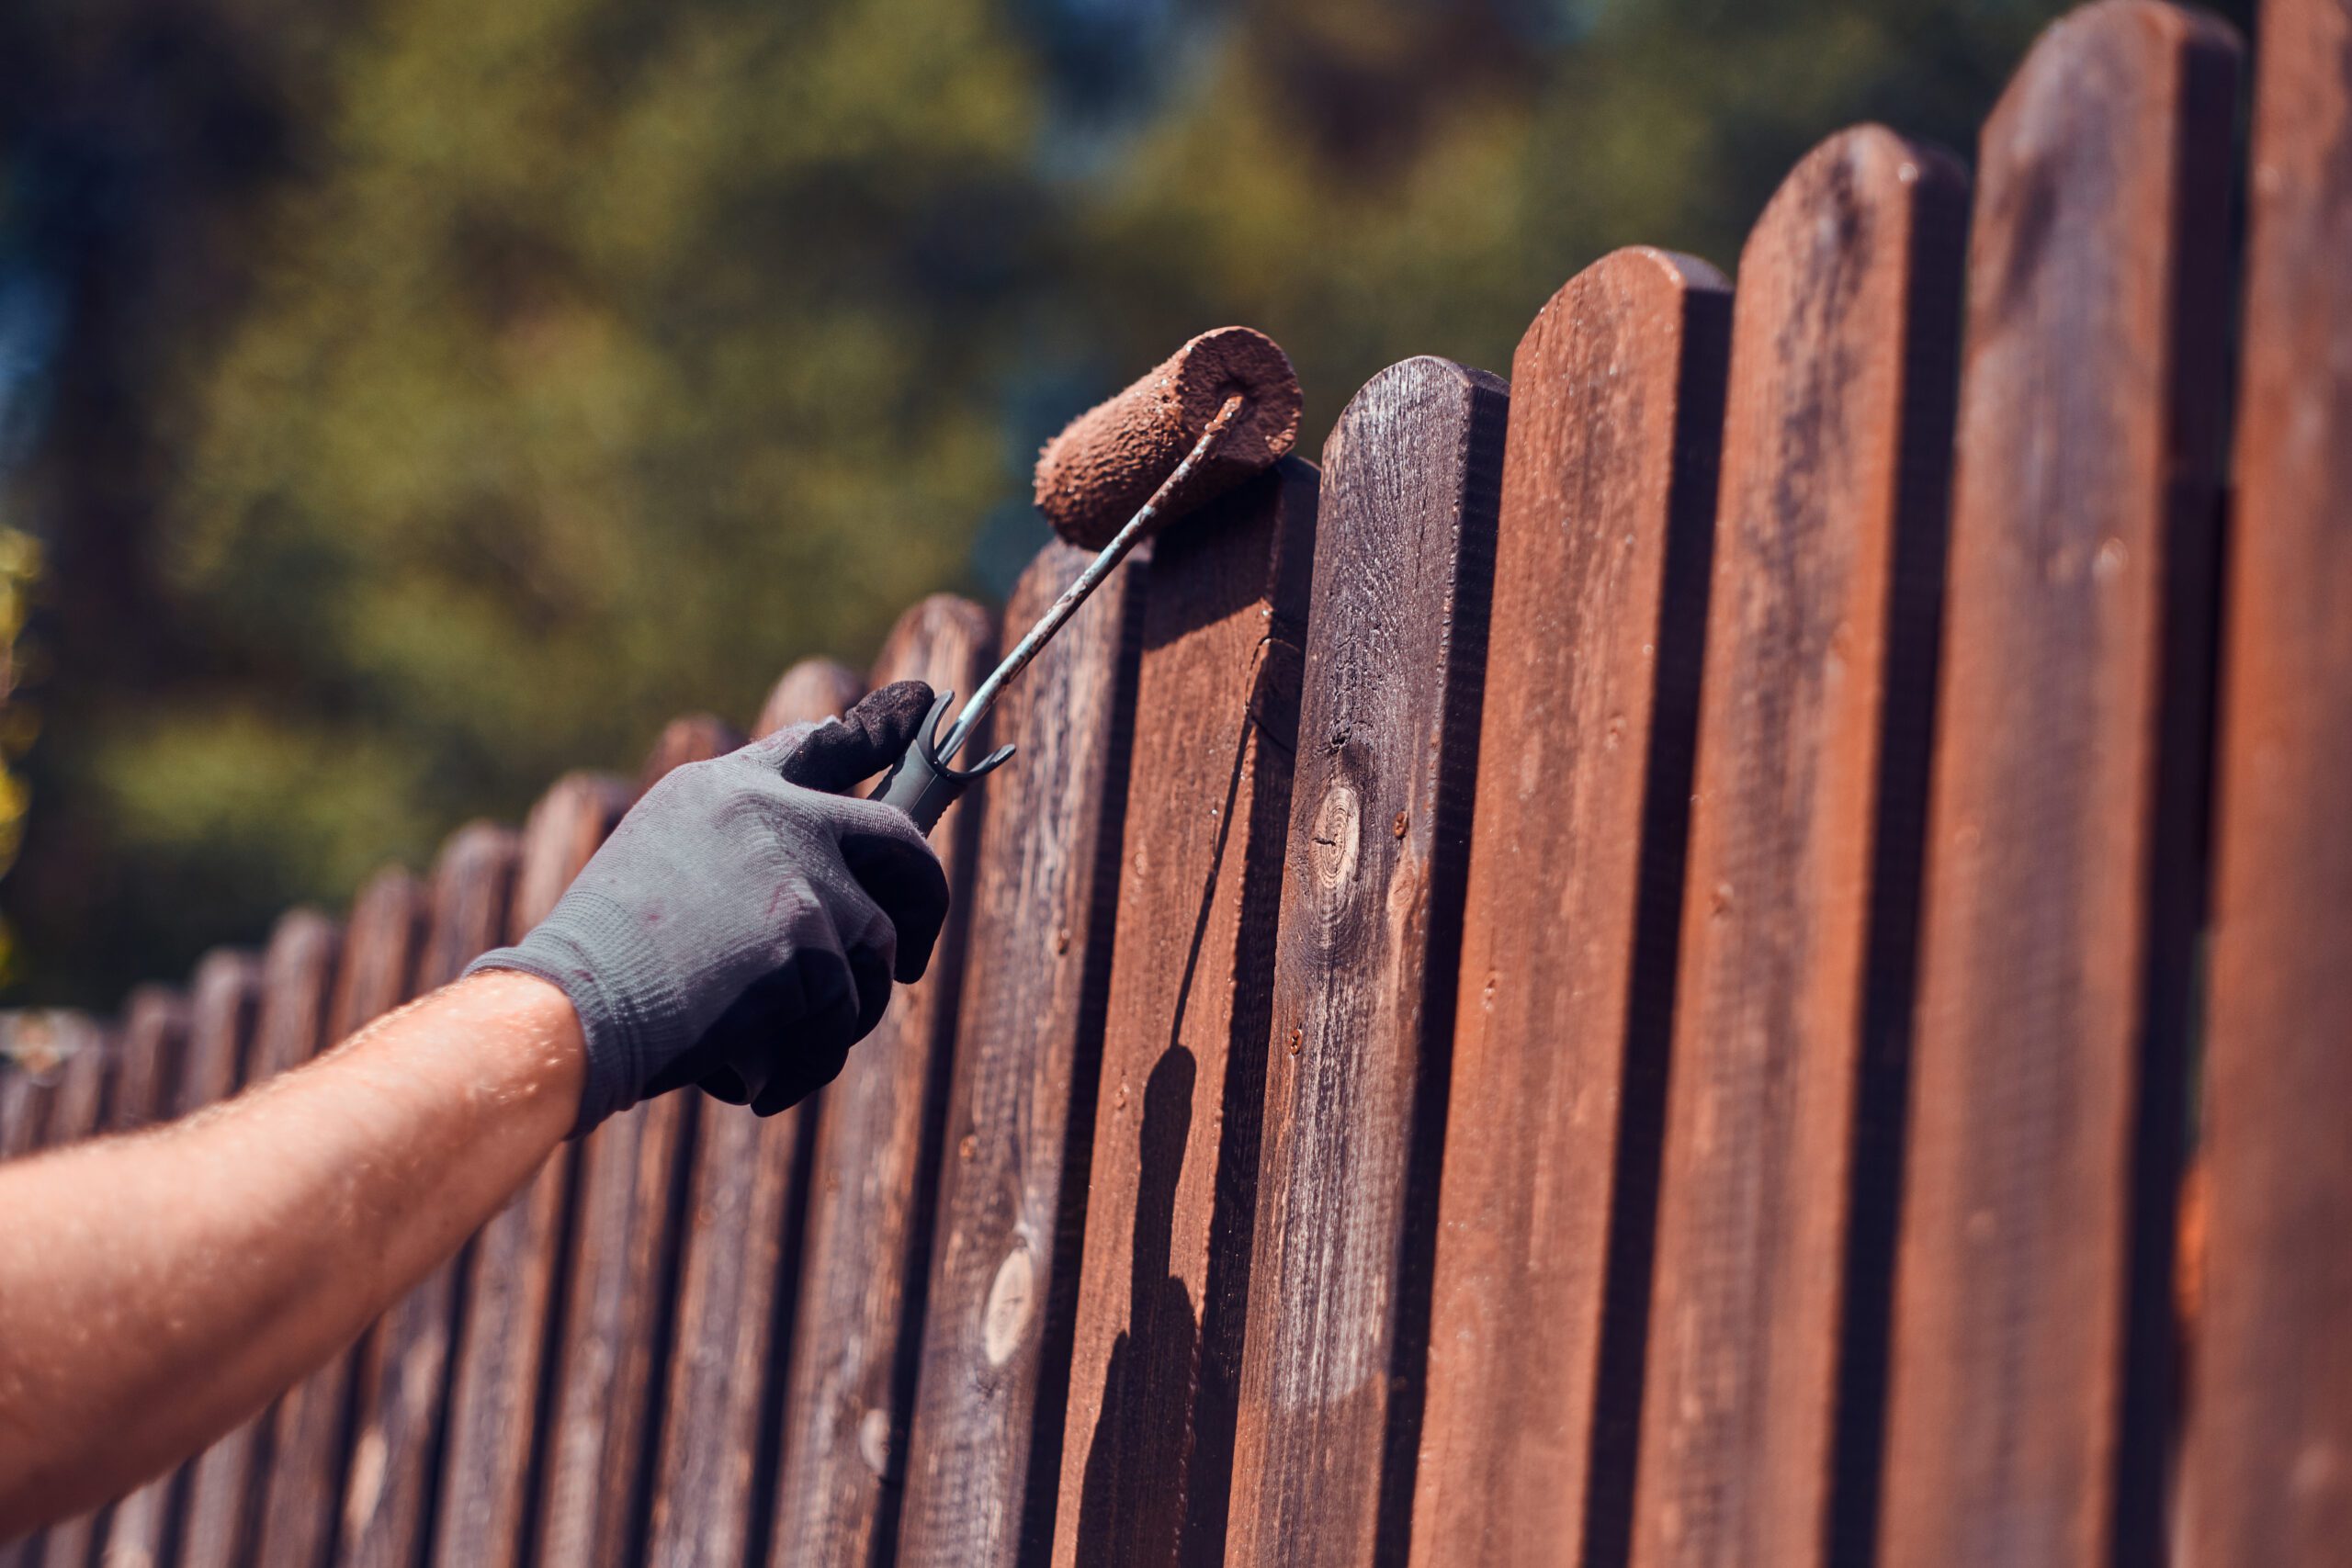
(158, 1289)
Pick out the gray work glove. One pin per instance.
(740, 927)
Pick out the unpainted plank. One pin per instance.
(849, 1388)
(225, 1482)
(402, 1385)
(2267, 1476)
(309, 1437)
(1163, 1276)
(607, 1354)
(1365, 969)
(511, 1328)
(739, 1257)
(984, 1458)
(1571, 916)
(2029, 1406)
(1791, 1025)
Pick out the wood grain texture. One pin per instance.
(1571, 916)
(607, 1352)
(1365, 970)
(1163, 1278)
(2032, 1317)
(224, 1482)
(402, 1385)
(984, 1455)
(849, 1388)
(1792, 1016)
(511, 1328)
(310, 1433)
(2267, 1476)
(740, 1255)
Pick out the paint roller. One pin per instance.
(1219, 410)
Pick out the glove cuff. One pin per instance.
(632, 1013)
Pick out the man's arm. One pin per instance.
(158, 1289)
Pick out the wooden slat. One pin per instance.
(2269, 1473)
(850, 1387)
(741, 1253)
(1774, 1253)
(309, 1438)
(225, 1483)
(984, 1459)
(510, 1324)
(1365, 969)
(1571, 916)
(1163, 1278)
(609, 1355)
(402, 1385)
(77, 1110)
(2031, 1327)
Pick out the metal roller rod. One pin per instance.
(1100, 567)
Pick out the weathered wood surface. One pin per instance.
(310, 1428)
(2031, 1329)
(292, 990)
(1365, 970)
(616, 1295)
(984, 1459)
(2267, 1476)
(402, 1389)
(510, 1323)
(849, 1388)
(1791, 1025)
(1163, 1280)
(1571, 914)
(741, 1253)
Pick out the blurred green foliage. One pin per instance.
(448, 393)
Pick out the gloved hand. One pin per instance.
(742, 926)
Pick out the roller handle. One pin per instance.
(922, 785)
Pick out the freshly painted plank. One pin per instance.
(1163, 1278)
(311, 1428)
(2269, 1473)
(609, 1354)
(1365, 970)
(984, 1453)
(1791, 1025)
(1571, 916)
(850, 1384)
(510, 1322)
(2028, 1408)
(225, 1482)
(741, 1253)
(402, 1387)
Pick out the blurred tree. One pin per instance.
(449, 393)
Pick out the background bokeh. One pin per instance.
(403, 402)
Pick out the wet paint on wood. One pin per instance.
(1163, 1281)
(1365, 970)
(310, 1437)
(714, 1464)
(2267, 1476)
(849, 1388)
(984, 1461)
(1571, 916)
(511, 1324)
(2032, 1334)
(402, 1387)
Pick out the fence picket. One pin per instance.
(2270, 1414)
(1163, 1277)
(984, 1459)
(2031, 1333)
(1573, 899)
(1370, 937)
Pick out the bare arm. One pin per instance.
(158, 1289)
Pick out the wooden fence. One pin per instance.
(1633, 972)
